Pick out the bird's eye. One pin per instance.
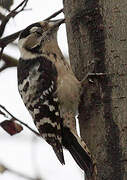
(33, 29)
(37, 30)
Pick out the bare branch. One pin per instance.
(54, 14)
(13, 13)
(2, 17)
(4, 168)
(3, 68)
(15, 119)
(1, 52)
(8, 39)
(23, 2)
(8, 62)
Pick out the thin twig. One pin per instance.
(8, 39)
(54, 15)
(16, 172)
(23, 2)
(3, 68)
(15, 119)
(1, 52)
(8, 62)
(2, 17)
(19, 174)
(13, 13)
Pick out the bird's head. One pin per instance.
(34, 38)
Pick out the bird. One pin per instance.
(51, 92)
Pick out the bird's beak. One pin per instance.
(55, 23)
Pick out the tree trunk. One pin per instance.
(97, 31)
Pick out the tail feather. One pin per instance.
(80, 155)
(59, 153)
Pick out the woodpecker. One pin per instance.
(51, 92)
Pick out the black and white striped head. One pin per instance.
(33, 38)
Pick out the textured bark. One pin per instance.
(96, 31)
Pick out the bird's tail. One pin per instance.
(79, 151)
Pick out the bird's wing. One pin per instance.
(47, 116)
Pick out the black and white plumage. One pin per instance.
(51, 92)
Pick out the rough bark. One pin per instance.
(96, 31)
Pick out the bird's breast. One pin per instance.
(68, 88)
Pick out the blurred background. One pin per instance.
(25, 152)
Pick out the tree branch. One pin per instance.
(54, 14)
(3, 169)
(8, 62)
(8, 39)
(15, 119)
(2, 17)
(13, 13)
